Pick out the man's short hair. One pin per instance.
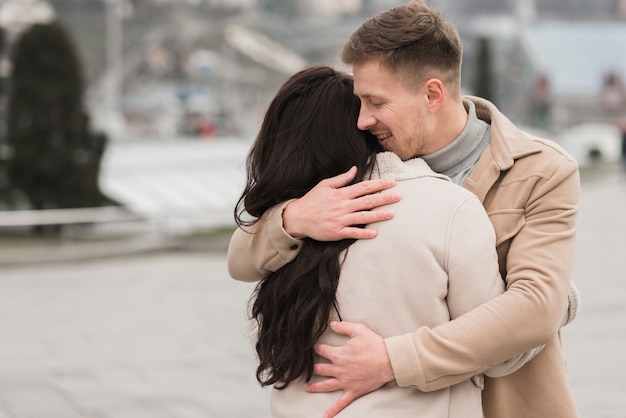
(412, 40)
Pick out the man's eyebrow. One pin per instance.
(370, 97)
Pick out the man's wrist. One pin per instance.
(289, 223)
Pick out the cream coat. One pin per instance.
(530, 188)
(434, 262)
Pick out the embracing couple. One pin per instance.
(413, 248)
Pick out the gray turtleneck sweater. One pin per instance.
(458, 159)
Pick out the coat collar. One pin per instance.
(508, 143)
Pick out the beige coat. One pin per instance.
(530, 189)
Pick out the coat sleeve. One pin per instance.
(527, 315)
(261, 248)
(474, 276)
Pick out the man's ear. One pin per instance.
(436, 93)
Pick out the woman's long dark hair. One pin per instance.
(309, 133)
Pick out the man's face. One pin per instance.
(395, 113)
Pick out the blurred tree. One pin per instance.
(3, 42)
(285, 7)
(484, 77)
(4, 186)
(56, 159)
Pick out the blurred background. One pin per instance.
(160, 99)
(124, 125)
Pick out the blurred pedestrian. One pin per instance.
(541, 102)
(622, 126)
(624, 151)
(613, 95)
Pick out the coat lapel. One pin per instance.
(507, 144)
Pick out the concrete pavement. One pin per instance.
(595, 342)
(149, 336)
(164, 335)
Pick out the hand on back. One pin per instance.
(357, 368)
(332, 210)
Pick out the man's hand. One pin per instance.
(330, 211)
(359, 367)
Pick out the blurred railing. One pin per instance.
(65, 216)
(81, 233)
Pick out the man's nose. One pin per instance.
(365, 120)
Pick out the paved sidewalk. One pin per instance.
(164, 335)
(150, 336)
(595, 343)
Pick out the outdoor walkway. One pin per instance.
(164, 334)
(150, 336)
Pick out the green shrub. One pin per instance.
(56, 158)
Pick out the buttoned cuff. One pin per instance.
(285, 245)
(405, 362)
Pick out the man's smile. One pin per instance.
(383, 138)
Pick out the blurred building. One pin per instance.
(579, 58)
(179, 66)
(15, 16)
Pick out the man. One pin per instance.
(406, 64)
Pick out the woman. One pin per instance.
(394, 283)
